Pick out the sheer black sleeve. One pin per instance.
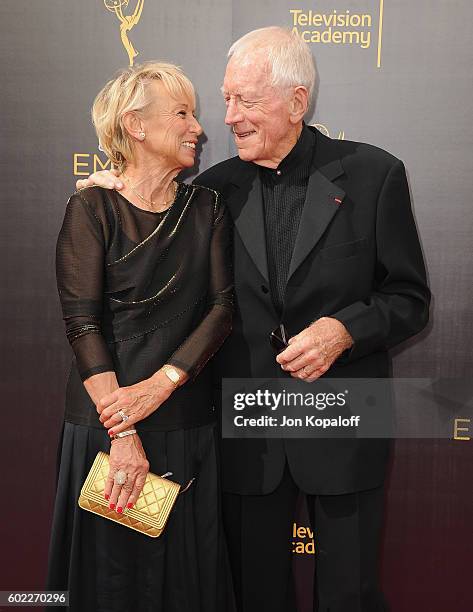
(215, 326)
(80, 276)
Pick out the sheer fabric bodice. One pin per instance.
(139, 289)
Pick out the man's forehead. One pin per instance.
(247, 78)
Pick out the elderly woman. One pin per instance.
(144, 279)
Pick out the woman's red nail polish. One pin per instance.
(107, 497)
(119, 509)
(129, 505)
(111, 433)
(112, 506)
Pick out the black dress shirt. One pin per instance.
(284, 190)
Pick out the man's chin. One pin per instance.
(245, 154)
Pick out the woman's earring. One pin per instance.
(142, 135)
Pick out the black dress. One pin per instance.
(139, 289)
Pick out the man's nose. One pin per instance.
(233, 114)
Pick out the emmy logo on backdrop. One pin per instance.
(322, 128)
(127, 22)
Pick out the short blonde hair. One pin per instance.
(129, 91)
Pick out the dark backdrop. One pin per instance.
(400, 77)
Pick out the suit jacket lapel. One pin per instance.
(323, 198)
(246, 207)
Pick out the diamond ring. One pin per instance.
(120, 477)
(124, 416)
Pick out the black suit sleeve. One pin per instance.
(398, 306)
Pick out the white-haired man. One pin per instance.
(325, 243)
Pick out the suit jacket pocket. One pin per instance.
(344, 249)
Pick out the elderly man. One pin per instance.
(325, 243)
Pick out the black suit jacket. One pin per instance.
(356, 258)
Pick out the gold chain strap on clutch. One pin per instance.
(148, 515)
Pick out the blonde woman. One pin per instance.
(144, 278)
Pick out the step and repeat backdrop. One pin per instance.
(394, 73)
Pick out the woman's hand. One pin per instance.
(126, 455)
(99, 385)
(136, 402)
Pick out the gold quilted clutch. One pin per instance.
(148, 515)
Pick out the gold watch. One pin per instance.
(172, 374)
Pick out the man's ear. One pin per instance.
(133, 124)
(299, 104)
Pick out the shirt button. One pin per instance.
(278, 172)
(264, 289)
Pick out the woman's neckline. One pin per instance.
(151, 212)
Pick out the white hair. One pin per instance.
(289, 58)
